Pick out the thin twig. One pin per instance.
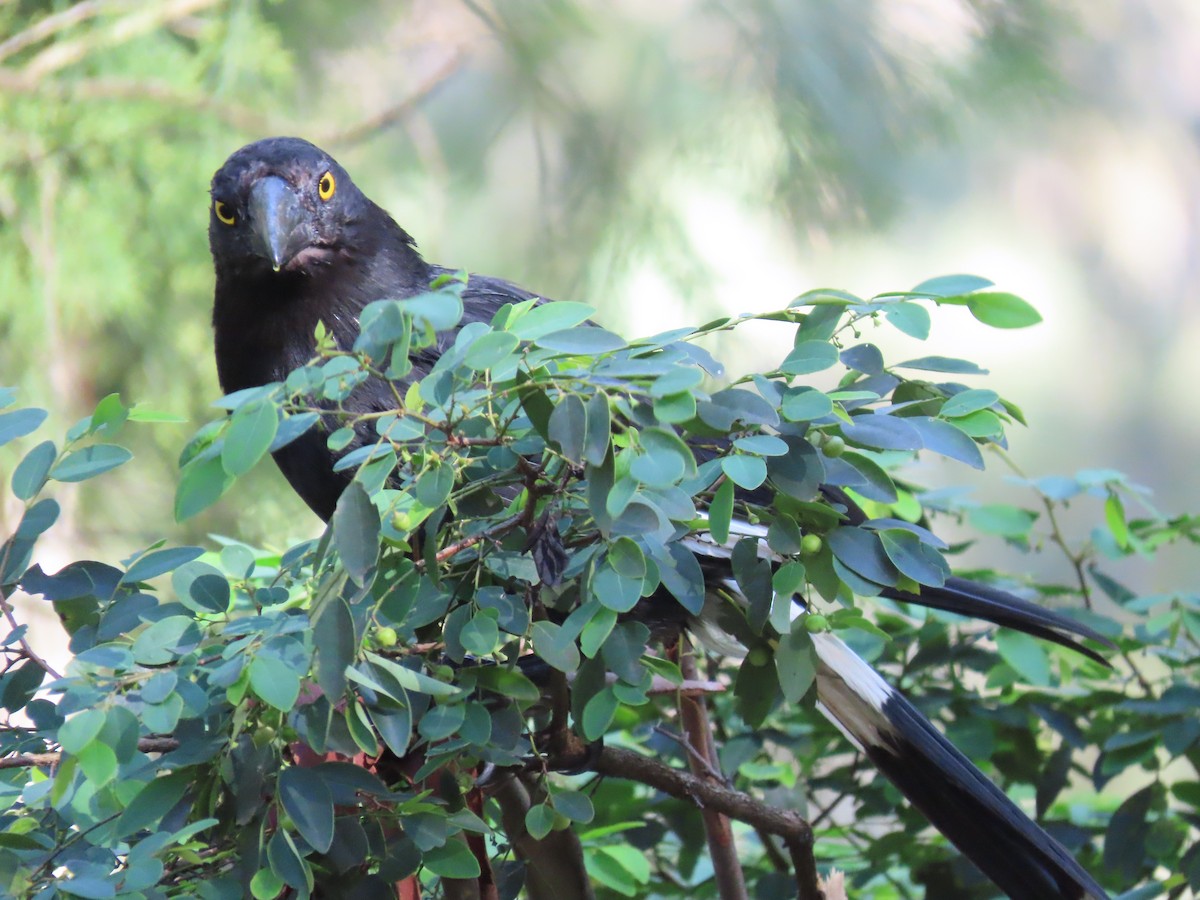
(26, 648)
(388, 117)
(49, 760)
(616, 762)
(702, 760)
(495, 531)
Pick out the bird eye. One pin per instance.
(224, 213)
(326, 186)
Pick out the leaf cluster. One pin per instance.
(504, 581)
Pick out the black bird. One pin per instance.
(295, 242)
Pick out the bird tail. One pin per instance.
(959, 800)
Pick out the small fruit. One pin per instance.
(811, 544)
(758, 657)
(834, 447)
(386, 636)
(816, 623)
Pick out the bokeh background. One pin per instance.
(665, 162)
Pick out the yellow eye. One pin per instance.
(326, 186)
(224, 213)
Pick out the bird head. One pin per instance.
(281, 205)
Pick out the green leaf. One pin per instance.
(412, 680)
(574, 805)
(89, 462)
(265, 885)
(274, 682)
(286, 861)
(943, 364)
(796, 662)
(598, 713)
(19, 423)
(201, 485)
(394, 726)
(539, 821)
(568, 427)
(251, 432)
(584, 340)
(80, 730)
(306, 798)
(882, 432)
(98, 762)
(555, 645)
(480, 635)
(1026, 654)
(451, 860)
(489, 350)
(159, 562)
(862, 552)
(746, 472)
(1002, 519)
(166, 640)
(1114, 516)
(441, 721)
(153, 802)
(335, 643)
(982, 423)
(910, 318)
(762, 445)
(665, 458)
(31, 473)
(914, 558)
(1127, 833)
(440, 310)
(201, 587)
(720, 512)
(808, 357)
(597, 429)
(615, 591)
(948, 440)
(1001, 310)
(434, 485)
(550, 317)
(681, 574)
(966, 402)
(952, 285)
(356, 528)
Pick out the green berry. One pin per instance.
(811, 544)
(834, 447)
(386, 636)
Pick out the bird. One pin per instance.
(295, 242)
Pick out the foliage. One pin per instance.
(317, 718)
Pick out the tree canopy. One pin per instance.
(361, 709)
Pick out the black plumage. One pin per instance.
(295, 242)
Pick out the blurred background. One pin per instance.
(666, 162)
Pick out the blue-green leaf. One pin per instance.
(251, 432)
(19, 423)
(31, 473)
(306, 798)
(275, 682)
(584, 340)
(90, 462)
(808, 357)
(159, 562)
(356, 528)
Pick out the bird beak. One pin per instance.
(279, 222)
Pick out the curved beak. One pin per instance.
(280, 224)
